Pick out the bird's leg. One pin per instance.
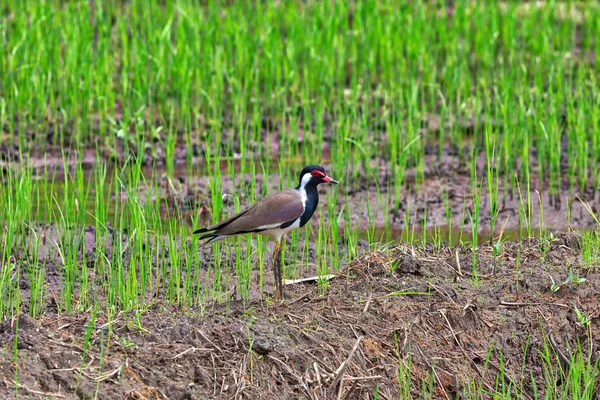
(277, 272)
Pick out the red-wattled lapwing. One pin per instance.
(275, 216)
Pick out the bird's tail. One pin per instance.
(210, 237)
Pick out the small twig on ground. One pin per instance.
(458, 265)
(443, 294)
(78, 369)
(472, 307)
(240, 384)
(109, 323)
(73, 346)
(437, 378)
(212, 357)
(450, 326)
(349, 392)
(223, 387)
(208, 340)
(292, 373)
(64, 326)
(362, 378)
(368, 304)
(192, 349)
(509, 304)
(342, 368)
(318, 374)
(562, 355)
(304, 296)
(9, 383)
(354, 331)
(320, 342)
(463, 351)
(108, 375)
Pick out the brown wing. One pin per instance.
(270, 212)
(275, 210)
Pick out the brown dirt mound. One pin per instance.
(390, 312)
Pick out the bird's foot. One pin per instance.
(279, 295)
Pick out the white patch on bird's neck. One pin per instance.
(302, 189)
(305, 179)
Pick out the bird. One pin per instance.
(274, 216)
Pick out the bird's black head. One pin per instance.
(314, 175)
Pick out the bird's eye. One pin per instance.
(315, 173)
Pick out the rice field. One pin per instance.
(462, 239)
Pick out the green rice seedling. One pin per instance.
(101, 208)
(589, 209)
(322, 264)
(407, 237)
(174, 267)
(190, 280)
(385, 206)
(437, 237)
(589, 243)
(447, 214)
(590, 248)
(542, 226)
(404, 372)
(350, 232)
(15, 347)
(572, 378)
(132, 268)
(110, 264)
(148, 245)
(398, 156)
(216, 189)
(9, 288)
(524, 213)
(36, 275)
(170, 142)
(261, 249)
(91, 325)
(463, 218)
(495, 382)
(428, 384)
(474, 220)
(245, 269)
(16, 201)
(70, 215)
(333, 228)
(104, 344)
(595, 134)
(370, 220)
(492, 180)
(242, 276)
(568, 204)
(522, 374)
(424, 224)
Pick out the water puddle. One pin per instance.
(453, 236)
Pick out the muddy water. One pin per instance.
(181, 187)
(186, 189)
(452, 236)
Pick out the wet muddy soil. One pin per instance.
(389, 312)
(446, 186)
(401, 309)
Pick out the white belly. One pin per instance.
(278, 233)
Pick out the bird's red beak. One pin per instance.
(327, 178)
